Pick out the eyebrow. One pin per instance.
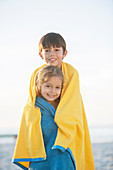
(51, 84)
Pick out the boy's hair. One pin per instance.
(46, 73)
(52, 39)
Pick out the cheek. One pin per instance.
(60, 53)
(58, 92)
(45, 56)
(44, 90)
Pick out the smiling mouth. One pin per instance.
(52, 59)
(51, 96)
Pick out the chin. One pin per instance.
(53, 64)
(51, 100)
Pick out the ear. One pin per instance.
(65, 53)
(41, 56)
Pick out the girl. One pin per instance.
(49, 83)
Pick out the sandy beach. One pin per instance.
(103, 156)
(6, 153)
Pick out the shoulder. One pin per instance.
(36, 71)
(70, 68)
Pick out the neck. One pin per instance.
(54, 103)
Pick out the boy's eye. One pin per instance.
(56, 49)
(46, 50)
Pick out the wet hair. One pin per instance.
(52, 39)
(45, 75)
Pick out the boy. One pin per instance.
(73, 133)
(52, 48)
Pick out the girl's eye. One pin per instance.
(47, 86)
(58, 87)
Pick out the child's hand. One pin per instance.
(36, 107)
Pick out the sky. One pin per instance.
(87, 27)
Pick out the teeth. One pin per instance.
(52, 59)
(51, 95)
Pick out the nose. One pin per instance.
(53, 90)
(52, 52)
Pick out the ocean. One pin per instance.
(97, 134)
(101, 134)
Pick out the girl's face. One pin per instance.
(51, 89)
(53, 56)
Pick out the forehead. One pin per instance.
(51, 46)
(54, 80)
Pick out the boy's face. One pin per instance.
(53, 56)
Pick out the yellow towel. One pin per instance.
(73, 132)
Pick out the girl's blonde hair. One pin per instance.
(45, 74)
